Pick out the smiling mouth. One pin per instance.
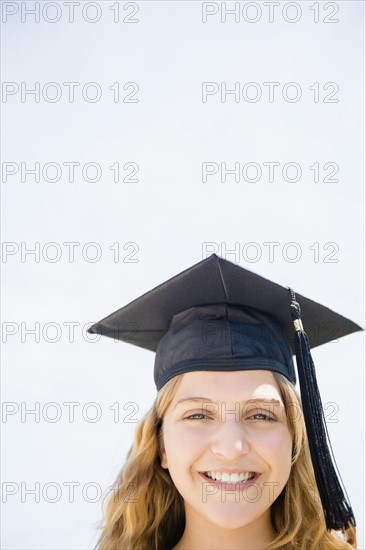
(225, 477)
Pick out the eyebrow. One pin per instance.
(207, 400)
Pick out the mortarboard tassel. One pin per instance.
(337, 509)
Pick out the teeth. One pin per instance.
(230, 478)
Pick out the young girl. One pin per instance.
(223, 459)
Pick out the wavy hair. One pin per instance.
(146, 512)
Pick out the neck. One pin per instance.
(200, 535)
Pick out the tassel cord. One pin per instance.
(337, 510)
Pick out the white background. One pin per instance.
(169, 213)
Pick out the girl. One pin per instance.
(227, 457)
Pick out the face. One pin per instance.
(227, 445)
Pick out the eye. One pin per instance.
(262, 415)
(196, 416)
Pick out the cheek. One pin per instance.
(277, 449)
(275, 446)
(183, 446)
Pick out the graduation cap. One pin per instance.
(217, 315)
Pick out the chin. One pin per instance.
(232, 515)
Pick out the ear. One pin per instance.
(163, 457)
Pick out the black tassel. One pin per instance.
(337, 509)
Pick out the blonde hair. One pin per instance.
(146, 512)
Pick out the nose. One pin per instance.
(230, 439)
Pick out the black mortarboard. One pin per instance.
(217, 315)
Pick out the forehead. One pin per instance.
(228, 385)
